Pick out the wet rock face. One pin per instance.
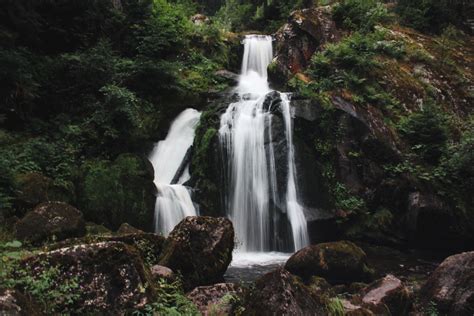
(109, 276)
(296, 41)
(217, 299)
(50, 219)
(451, 285)
(281, 293)
(200, 248)
(337, 262)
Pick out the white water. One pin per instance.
(244, 131)
(173, 202)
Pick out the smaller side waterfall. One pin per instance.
(173, 201)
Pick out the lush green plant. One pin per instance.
(335, 307)
(360, 15)
(171, 301)
(427, 132)
(432, 15)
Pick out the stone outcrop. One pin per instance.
(307, 31)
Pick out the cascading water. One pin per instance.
(173, 201)
(246, 139)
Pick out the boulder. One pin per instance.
(161, 272)
(50, 219)
(337, 262)
(451, 286)
(105, 277)
(14, 303)
(149, 246)
(388, 292)
(35, 188)
(281, 293)
(200, 248)
(126, 229)
(217, 299)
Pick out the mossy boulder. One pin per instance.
(337, 262)
(122, 191)
(148, 245)
(126, 229)
(100, 278)
(200, 248)
(51, 220)
(451, 286)
(35, 188)
(281, 293)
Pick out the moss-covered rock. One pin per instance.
(217, 299)
(281, 293)
(206, 164)
(51, 220)
(338, 262)
(200, 248)
(149, 246)
(106, 277)
(126, 229)
(35, 188)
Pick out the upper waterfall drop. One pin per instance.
(253, 199)
(173, 201)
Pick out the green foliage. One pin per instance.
(171, 301)
(360, 15)
(426, 132)
(350, 65)
(432, 15)
(116, 192)
(335, 307)
(233, 14)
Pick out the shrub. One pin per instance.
(432, 15)
(426, 132)
(360, 15)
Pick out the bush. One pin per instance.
(432, 15)
(118, 192)
(360, 15)
(426, 132)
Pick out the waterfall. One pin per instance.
(173, 201)
(246, 139)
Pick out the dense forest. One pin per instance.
(382, 96)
